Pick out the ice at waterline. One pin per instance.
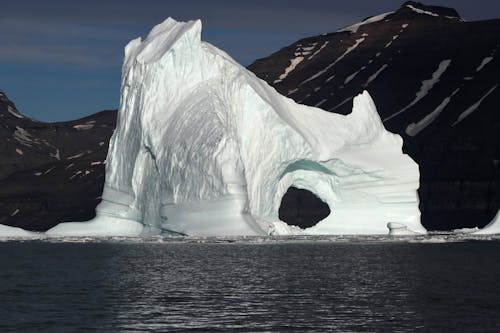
(203, 147)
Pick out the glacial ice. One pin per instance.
(205, 148)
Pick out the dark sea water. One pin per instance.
(286, 286)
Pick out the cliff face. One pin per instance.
(50, 172)
(435, 81)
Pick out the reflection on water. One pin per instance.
(279, 286)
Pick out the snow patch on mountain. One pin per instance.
(300, 54)
(75, 156)
(391, 41)
(349, 50)
(84, 127)
(415, 128)
(421, 11)
(75, 174)
(14, 112)
(353, 75)
(293, 63)
(354, 28)
(375, 75)
(485, 61)
(23, 137)
(319, 50)
(474, 106)
(10, 108)
(426, 86)
(348, 99)
(48, 170)
(56, 155)
(321, 102)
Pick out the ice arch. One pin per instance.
(204, 147)
(308, 176)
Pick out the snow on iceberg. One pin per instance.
(204, 147)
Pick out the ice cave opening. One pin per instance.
(302, 208)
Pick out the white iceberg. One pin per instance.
(8, 231)
(203, 147)
(491, 228)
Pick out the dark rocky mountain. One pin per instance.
(435, 80)
(50, 172)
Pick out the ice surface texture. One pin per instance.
(204, 147)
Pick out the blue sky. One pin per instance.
(61, 59)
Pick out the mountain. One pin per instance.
(435, 80)
(50, 172)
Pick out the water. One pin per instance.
(249, 286)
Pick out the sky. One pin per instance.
(61, 59)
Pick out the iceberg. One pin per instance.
(7, 231)
(491, 228)
(205, 148)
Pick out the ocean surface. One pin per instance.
(342, 284)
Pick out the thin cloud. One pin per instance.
(93, 33)
(58, 43)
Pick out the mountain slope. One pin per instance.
(50, 172)
(435, 80)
